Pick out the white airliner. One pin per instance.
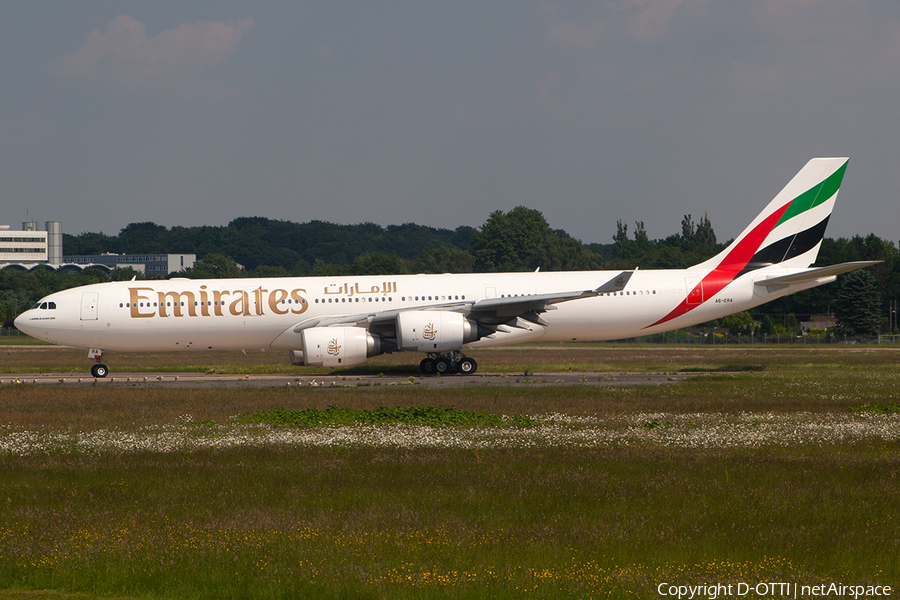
(341, 321)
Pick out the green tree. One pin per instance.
(126, 274)
(739, 323)
(858, 304)
(214, 266)
(767, 327)
(521, 240)
(444, 260)
(792, 324)
(267, 271)
(376, 263)
(687, 228)
(704, 234)
(144, 238)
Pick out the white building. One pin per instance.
(30, 247)
(30, 244)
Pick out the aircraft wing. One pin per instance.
(488, 311)
(528, 306)
(817, 273)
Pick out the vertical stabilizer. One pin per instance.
(788, 232)
(790, 229)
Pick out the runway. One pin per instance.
(206, 380)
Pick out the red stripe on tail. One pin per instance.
(733, 263)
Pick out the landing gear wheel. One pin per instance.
(427, 366)
(467, 366)
(99, 370)
(443, 366)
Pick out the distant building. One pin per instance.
(153, 265)
(818, 322)
(31, 247)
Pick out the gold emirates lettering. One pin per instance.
(147, 302)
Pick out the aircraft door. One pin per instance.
(89, 301)
(694, 287)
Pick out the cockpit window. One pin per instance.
(44, 306)
(51, 305)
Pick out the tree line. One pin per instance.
(516, 240)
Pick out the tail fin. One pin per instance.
(788, 233)
(790, 229)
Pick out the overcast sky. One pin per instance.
(437, 113)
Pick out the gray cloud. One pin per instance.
(173, 61)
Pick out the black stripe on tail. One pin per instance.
(787, 248)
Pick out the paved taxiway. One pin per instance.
(203, 380)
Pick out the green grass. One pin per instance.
(287, 521)
(432, 416)
(22, 340)
(824, 360)
(378, 523)
(887, 407)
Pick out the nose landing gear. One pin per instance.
(99, 370)
(447, 363)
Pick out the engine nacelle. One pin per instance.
(434, 331)
(336, 347)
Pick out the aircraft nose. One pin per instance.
(21, 322)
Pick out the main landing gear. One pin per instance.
(99, 370)
(445, 364)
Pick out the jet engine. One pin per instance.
(434, 331)
(336, 347)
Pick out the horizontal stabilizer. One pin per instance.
(818, 273)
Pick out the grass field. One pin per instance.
(769, 475)
(557, 357)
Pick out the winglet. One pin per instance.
(616, 284)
